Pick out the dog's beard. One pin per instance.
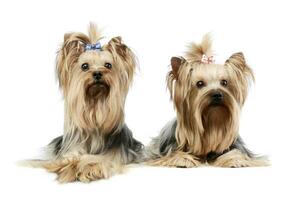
(216, 115)
(207, 126)
(97, 90)
(94, 106)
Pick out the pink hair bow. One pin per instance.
(207, 60)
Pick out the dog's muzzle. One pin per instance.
(217, 97)
(97, 75)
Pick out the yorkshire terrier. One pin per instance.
(208, 99)
(94, 80)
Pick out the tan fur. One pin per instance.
(242, 75)
(176, 159)
(202, 128)
(235, 159)
(80, 113)
(201, 135)
(197, 50)
(84, 168)
(217, 128)
(64, 168)
(93, 110)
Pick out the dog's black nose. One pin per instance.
(217, 96)
(97, 75)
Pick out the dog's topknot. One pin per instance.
(197, 50)
(94, 33)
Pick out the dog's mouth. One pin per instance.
(217, 107)
(216, 103)
(216, 113)
(97, 89)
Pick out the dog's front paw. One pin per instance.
(91, 167)
(176, 159)
(236, 164)
(65, 169)
(85, 168)
(90, 172)
(236, 159)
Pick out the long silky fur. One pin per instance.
(165, 143)
(123, 139)
(201, 130)
(90, 122)
(96, 142)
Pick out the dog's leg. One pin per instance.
(94, 167)
(65, 168)
(235, 158)
(83, 168)
(176, 159)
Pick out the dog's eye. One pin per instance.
(108, 65)
(200, 84)
(85, 66)
(224, 82)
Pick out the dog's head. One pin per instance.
(94, 79)
(207, 96)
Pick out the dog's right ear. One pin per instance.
(176, 62)
(67, 56)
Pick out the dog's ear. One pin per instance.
(116, 46)
(173, 76)
(123, 56)
(176, 62)
(237, 60)
(68, 54)
(242, 73)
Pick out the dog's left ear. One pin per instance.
(242, 72)
(237, 62)
(116, 46)
(122, 55)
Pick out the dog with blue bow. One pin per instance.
(94, 80)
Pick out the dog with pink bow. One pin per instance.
(208, 99)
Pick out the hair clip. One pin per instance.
(207, 60)
(89, 47)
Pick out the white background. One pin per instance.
(31, 105)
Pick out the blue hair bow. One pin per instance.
(97, 46)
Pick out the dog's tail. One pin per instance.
(197, 50)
